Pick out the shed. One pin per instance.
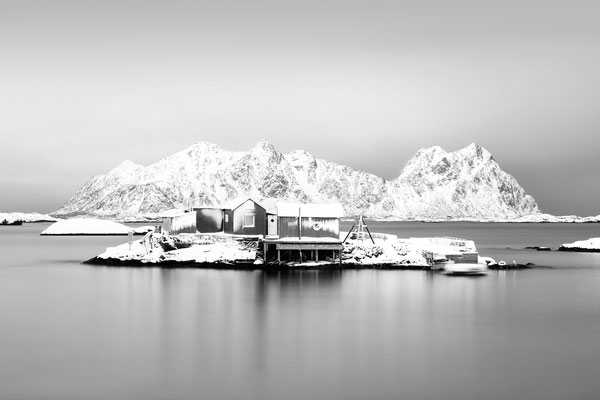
(240, 216)
(309, 220)
(178, 221)
(244, 216)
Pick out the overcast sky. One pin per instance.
(85, 85)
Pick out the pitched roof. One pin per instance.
(238, 201)
(334, 210)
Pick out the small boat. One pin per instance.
(452, 268)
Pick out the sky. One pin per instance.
(85, 85)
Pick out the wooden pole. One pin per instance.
(368, 231)
(265, 251)
(299, 223)
(349, 232)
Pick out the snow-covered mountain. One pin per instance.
(434, 184)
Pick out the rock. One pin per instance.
(538, 248)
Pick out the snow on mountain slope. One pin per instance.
(464, 183)
(433, 184)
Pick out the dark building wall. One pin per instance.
(288, 227)
(311, 227)
(321, 227)
(244, 212)
(209, 220)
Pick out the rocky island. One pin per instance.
(230, 251)
(591, 245)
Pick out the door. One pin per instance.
(271, 224)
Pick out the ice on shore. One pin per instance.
(87, 226)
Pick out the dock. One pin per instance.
(303, 249)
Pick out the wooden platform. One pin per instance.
(312, 245)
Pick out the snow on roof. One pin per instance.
(86, 226)
(238, 201)
(208, 208)
(334, 210)
(174, 212)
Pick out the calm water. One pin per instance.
(73, 331)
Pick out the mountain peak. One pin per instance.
(203, 146)
(265, 151)
(475, 151)
(125, 167)
(264, 145)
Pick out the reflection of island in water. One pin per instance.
(256, 323)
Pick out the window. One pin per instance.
(248, 220)
(226, 217)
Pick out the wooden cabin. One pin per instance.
(240, 216)
(244, 216)
(309, 220)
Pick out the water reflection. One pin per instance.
(81, 331)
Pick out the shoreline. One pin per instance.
(247, 265)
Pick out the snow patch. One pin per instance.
(87, 226)
(589, 244)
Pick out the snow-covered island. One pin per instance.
(19, 217)
(589, 245)
(231, 251)
(92, 226)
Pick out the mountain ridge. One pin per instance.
(466, 183)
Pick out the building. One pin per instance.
(240, 216)
(306, 232)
